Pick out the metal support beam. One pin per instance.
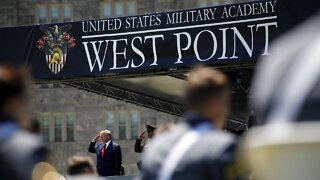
(236, 125)
(179, 76)
(129, 96)
(109, 90)
(178, 73)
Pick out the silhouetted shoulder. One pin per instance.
(217, 142)
(23, 150)
(115, 144)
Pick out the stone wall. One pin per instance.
(89, 119)
(24, 12)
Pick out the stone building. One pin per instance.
(26, 12)
(69, 117)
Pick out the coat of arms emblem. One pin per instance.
(55, 43)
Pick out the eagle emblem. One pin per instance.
(55, 43)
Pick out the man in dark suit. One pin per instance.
(108, 154)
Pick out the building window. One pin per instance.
(45, 127)
(112, 8)
(122, 125)
(42, 15)
(203, 3)
(66, 13)
(70, 127)
(228, 1)
(206, 3)
(110, 122)
(216, 3)
(107, 10)
(134, 117)
(54, 14)
(132, 8)
(119, 9)
(57, 127)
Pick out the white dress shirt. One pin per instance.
(107, 143)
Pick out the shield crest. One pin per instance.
(55, 44)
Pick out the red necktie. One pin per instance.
(103, 150)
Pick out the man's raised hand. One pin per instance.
(96, 138)
(142, 135)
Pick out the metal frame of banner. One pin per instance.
(126, 95)
(177, 73)
(151, 102)
(98, 86)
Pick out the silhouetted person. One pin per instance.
(196, 148)
(286, 99)
(138, 147)
(35, 127)
(19, 149)
(80, 165)
(108, 153)
(286, 87)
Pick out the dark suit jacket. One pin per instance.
(110, 163)
(138, 148)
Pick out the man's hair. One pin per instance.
(13, 82)
(204, 83)
(79, 165)
(106, 132)
(35, 126)
(150, 128)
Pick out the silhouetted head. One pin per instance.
(150, 130)
(80, 165)
(208, 94)
(15, 102)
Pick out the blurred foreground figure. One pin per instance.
(287, 85)
(80, 165)
(20, 150)
(287, 100)
(197, 148)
